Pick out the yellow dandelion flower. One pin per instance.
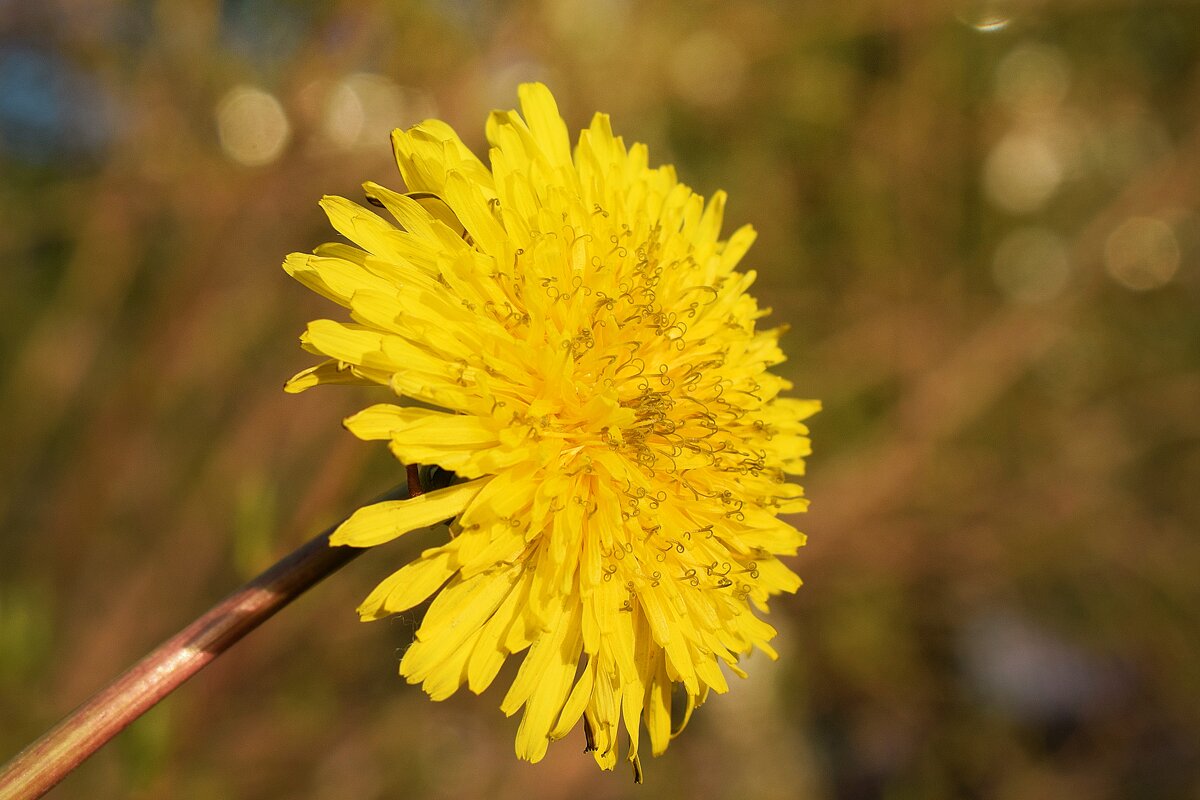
(619, 445)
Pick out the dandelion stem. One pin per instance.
(40, 766)
(414, 480)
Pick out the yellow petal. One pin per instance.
(541, 114)
(366, 229)
(334, 278)
(382, 522)
(426, 151)
(658, 708)
(410, 585)
(352, 344)
(542, 654)
(416, 218)
(378, 421)
(333, 372)
(457, 613)
(445, 681)
(492, 649)
(545, 704)
(576, 702)
(420, 427)
(472, 208)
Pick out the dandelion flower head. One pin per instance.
(569, 335)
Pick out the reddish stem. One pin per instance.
(37, 768)
(414, 480)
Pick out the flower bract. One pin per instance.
(568, 333)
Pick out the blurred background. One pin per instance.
(979, 220)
